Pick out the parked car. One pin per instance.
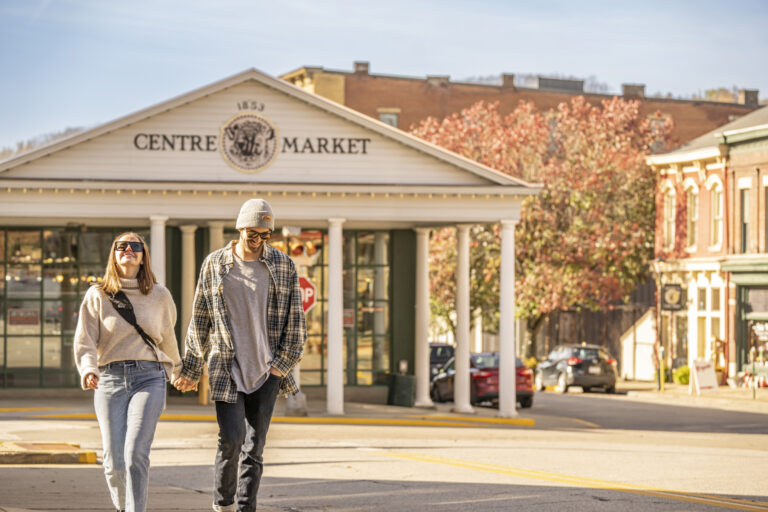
(439, 354)
(484, 380)
(588, 366)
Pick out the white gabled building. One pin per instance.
(356, 199)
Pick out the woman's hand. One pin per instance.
(91, 381)
(183, 384)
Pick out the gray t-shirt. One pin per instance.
(246, 289)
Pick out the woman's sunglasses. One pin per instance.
(135, 246)
(252, 235)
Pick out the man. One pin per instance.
(249, 324)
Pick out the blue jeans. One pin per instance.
(128, 404)
(242, 434)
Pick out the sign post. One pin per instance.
(308, 293)
(296, 405)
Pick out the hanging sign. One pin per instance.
(672, 297)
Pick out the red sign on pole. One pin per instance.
(308, 293)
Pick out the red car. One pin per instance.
(484, 380)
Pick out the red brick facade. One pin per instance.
(418, 98)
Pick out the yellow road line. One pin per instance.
(375, 421)
(27, 409)
(583, 422)
(704, 499)
(77, 416)
(280, 419)
(521, 422)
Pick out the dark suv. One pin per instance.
(588, 366)
(439, 354)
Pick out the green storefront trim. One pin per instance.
(746, 274)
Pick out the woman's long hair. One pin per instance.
(111, 282)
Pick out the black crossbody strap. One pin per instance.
(124, 308)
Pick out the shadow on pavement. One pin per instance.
(188, 488)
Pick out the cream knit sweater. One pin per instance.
(103, 336)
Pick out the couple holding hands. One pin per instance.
(247, 324)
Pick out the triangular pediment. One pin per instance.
(251, 128)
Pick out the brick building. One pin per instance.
(711, 254)
(404, 101)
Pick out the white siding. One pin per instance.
(113, 156)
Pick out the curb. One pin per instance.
(45, 453)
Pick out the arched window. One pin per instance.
(692, 216)
(715, 187)
(669, 218)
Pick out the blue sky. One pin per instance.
(85, 62)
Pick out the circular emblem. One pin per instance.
(672, 295)
(248, 142)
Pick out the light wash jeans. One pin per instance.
(128, 404)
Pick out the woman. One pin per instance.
(126, 371)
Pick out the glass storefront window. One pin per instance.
(24, 246)
(44, 273)
(373, 248)
(23, 281)
(373, 283)
(23, 352)
(23, 317)
(89, 274)
(372, 318)
(52, 348)
(94, 246)
(60, 317)
(60, 282)
(59, 247)
(314, 318)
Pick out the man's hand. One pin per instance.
(275, 371)
(91, 381)
(183, 384)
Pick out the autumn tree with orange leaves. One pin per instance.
(586, 239)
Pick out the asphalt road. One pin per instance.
(616, 412)
(586, 453)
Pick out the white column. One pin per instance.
(157, 246)
(461, 391)
(477, 330)
(507, 370)
(188, 276)
(215, 235)
(421, 348)
(335, 361)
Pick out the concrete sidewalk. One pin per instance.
(726, 398)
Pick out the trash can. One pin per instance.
(402, 390)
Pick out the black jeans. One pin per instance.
(242, 433)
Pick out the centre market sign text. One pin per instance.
(298, 145)
(249, 142)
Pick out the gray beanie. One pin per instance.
(255, 213)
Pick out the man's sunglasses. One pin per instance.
(135, 246)
(252, 235)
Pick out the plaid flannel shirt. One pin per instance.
(209, 334)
